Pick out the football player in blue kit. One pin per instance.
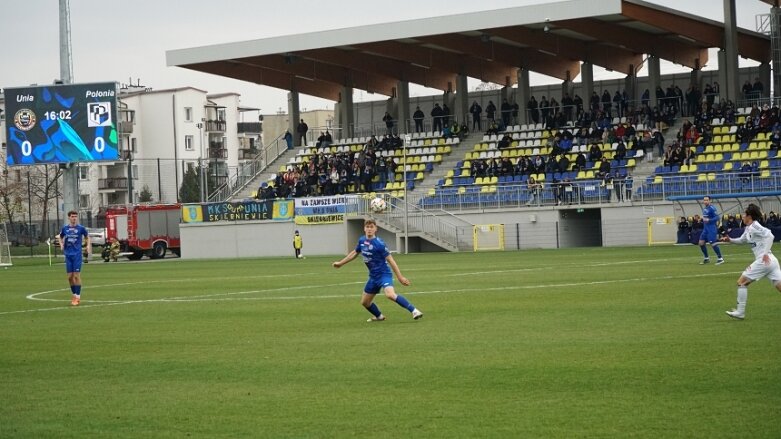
(70, 244)
(380, 262)
(710, 219)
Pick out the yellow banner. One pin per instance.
(283, 210)
(320, 219)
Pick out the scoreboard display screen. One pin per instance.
(62, 124)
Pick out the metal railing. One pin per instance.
(248, 171)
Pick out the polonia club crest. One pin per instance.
(25, 119)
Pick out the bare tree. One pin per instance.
(44, 189)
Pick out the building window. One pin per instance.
(84, 201)
(134, 171)
(188, 143)
(188, 114)
(133, 144)
(221, 114)
(83, 172)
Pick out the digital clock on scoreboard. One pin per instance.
(62, 123)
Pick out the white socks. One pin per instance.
(742, 296)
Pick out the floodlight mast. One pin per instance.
(70, 177)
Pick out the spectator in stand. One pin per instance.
(388, 119)
(668, 159)
(747, 90)
(533, 109)
(745, 173)
(620, 153)
(490, 111)
(544, 109)
(507, 112)
(604, 168)
(418, 117)
(505, 142)
(775, 139)
(567, 106)
(594, 153)
(688, 156)
(534, 189)
(445, 115)
(288, 139)
(301, 131)
(607, 103)
(564, 164)
(580, 162)
(628, 182)
(578, 102)
(505, 167)
(493, 127)
(617, 104)
(645, 98)
(758, 91)
(515, 108)
(436, 116)
(476, 110)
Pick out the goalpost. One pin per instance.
(662, 230)
(5, 247)
(488, 237)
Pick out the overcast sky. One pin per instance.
(118, 40)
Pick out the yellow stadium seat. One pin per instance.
(449, 174)
(432, 192)
(728, 166)
(765, 173)
(466, 173)
(462, 190)
(658, 179)
(702, 177)
(479, 180)
(448, 182)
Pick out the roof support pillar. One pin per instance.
(721, 57)
(587, 79)
(295, 115)
(732, 83)
(764, 77)
(402, 108)
(462, 100)
(775, 49)
(630, 87)
(522, 95)
(654, 79)
(346, 112)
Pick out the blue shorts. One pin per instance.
(73, 263)
(375, 284)
(708, 235)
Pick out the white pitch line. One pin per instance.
(213, 297)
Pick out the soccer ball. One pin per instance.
(378, 205)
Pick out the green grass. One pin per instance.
(549, 343)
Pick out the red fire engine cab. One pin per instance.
(145, 229)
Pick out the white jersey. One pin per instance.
(760, 238)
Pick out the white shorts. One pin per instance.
(757, 270)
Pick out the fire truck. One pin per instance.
(145, 229)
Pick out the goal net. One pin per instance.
(488, 237)
(5, 247)
(662, 230)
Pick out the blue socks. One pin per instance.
(374, 310)
(704, 251)
(404, 303)
(76, 289)
(718, 252)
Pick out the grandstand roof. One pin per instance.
(551, 39)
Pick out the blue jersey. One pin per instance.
(712, 216)
(374, 253)
(72, 236)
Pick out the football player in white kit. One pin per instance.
(764, 265)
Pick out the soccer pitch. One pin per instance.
(597, 342)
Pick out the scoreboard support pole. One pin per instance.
(70, 188)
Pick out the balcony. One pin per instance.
(112, 183)
(248, 153)
(125, 127)
(125, 155)
(250, 127)
(218, 153)
(216, 125)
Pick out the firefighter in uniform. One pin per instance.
(111, 252)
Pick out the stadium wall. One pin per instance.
(608, 226)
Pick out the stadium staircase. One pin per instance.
(441, 229)
(448, 163)
(645, 168)
(268, 173)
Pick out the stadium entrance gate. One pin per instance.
(580, 228)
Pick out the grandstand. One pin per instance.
(489, 170)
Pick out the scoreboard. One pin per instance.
(62, 124)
